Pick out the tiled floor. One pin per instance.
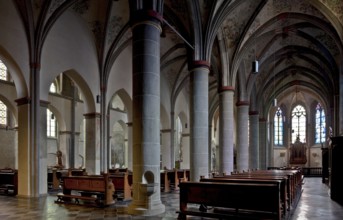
(314, 204)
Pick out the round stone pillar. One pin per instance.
(253, 140)
(242, 136)
(263, 143)
(199, 130)
(226, 122)
(146, 29)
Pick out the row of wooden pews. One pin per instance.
(8, 181)
(122, 181)
(170, 179)
(55, 176)
(97, 189)
(100, 190)
(258, 194)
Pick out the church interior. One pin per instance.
(160, 86)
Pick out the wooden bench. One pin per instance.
(231, 200)
(54, 179)
(122, 182)
(165, 180)
(176, 176)
(232, 179)
(9, 181)
(97, 188)
(294, 181)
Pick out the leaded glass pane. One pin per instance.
(320, 125)
(278, 127)
(3, 113)
(3, 71)
(299, 123)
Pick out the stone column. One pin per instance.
(199, 127)
(129, 147)
(166, 149)
(263, 143)
(242, 136)
(92, 139)
(253, 140)
(146, 29)
(339, 106)
(24, 171)
(185, 151)
(172, 140)
(226, 126)
(43, 154)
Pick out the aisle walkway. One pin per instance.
(314, 204)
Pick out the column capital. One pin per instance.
(199, 64)
(226, 88)
(23, 101)
(44, 103)
(253, 112)
(242, 103)
(146, 17)
(129, 124)
(262, 120)
(35, 65)
(92, 115)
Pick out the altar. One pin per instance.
(298, 153)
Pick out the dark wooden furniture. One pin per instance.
(282, 181)
(9, 181)
(336, 167)
(54, 178)
(97, 188)
(230, 200)
(122, 182)
(325, 165)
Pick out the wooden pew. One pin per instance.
(54, 178)
(165, 181)
(96, 188)
(235, 179)
(294, 182)
(122, 182)
(229, 200)
(9, 181)
(176, 177)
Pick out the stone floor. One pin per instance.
(314, 204)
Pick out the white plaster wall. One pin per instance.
(280, 157)
(13, 43)
(121, 75)
(8, 148)
(70, 46)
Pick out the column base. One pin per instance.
(147, 209)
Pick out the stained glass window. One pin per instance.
(299, 123)
(320, 124)
(278, 127)
(3, 71)
(51, 124)
(3, 113)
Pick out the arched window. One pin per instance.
(3, 113)
(53, 88)
(320, 124)
(3, 71)
(51, 126)
(118, 103)
(278, 127)
(299, 123)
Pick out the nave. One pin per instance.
(314, 204)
